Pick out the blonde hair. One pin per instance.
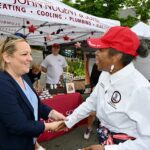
(36, 67)
(8, 46)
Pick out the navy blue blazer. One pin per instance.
(17, 122)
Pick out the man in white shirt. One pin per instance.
(121, 97)
(54, 64)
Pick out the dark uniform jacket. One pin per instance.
(17, 122)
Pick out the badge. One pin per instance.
(116, 97)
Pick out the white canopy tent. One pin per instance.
(44, 22)
(142, 30)
(142, 64)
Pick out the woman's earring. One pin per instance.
(112, 68)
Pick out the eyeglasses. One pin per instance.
(11, 38)
(8, 39)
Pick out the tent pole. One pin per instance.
(24, 26)
(45, 51)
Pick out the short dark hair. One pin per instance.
(143, 51)
(126, 58)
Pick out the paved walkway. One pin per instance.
(72, 140)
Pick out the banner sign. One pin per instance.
(55, 12)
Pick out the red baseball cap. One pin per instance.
(119, 38)
(56, 45)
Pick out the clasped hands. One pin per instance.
(58, 124)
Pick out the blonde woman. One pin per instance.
(20, 106)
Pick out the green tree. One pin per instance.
(68, 2)
(110, 9)
(99, 8)
(129, 21)
(141, 7)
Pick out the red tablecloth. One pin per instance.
(65, 104)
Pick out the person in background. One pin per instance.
(54, 65)
(34, 75)
(20, 106)
(94, 76)
(95, 73)
(121, 97)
